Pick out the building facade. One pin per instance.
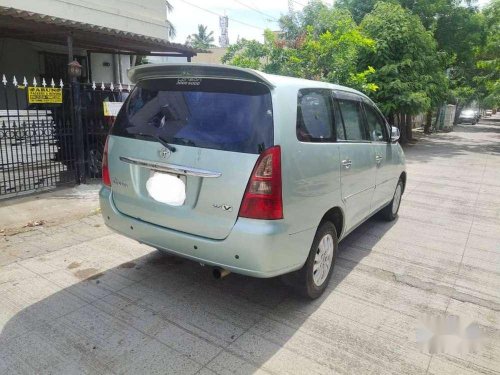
(53, 128)
(106, 37)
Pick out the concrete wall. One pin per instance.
(214, 57)
(140, 17)
(166, 59)
(101, 66)
(22, 58)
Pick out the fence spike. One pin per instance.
(112, 87)
(52, 83)
(120, 87)
(44, 84)
(4, 80)
(93, 85)
(25, 82)
(61, 84)
(102, 86)
(34, 81)
(14, 81)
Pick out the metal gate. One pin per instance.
(42, 145)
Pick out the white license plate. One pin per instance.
(167, 188)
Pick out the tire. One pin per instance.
(312, 279)
(390, 212)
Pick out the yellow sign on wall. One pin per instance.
(44, 95)
(112, 108)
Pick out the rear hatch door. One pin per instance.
(207, 132)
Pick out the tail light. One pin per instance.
(262, 199)
(106, 179)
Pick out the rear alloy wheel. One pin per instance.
(312, 279)
(390, 212)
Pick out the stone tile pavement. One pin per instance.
(77, 298)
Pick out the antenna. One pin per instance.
(224, 36)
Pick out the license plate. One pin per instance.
(167, 188)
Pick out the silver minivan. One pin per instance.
(248, 172)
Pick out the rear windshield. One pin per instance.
(217, 114)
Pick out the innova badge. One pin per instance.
(164, 153)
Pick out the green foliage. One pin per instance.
(409, 72)
(488, 58)
(202, 39)
(410, 55)
(321, 43)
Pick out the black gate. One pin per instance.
(40, 147)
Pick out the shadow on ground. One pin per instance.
(425, 149)
(164, 314)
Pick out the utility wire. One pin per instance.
(220, 15)
(296, 2)
(256, 10)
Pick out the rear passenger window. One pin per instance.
(376, 124)
(314, 116)
(353, 122)
(339, 126)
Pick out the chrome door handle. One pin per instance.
(346, 163)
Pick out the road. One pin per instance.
(77, 298)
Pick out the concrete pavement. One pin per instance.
(76, 298)
(50, 208)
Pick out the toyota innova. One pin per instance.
(248, 172)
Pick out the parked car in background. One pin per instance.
(488, 112)
(467, 116)
(248, 172)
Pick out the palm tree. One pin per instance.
(170, 26)
(202, 39)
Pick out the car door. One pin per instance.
(357, 159)
(385, 176)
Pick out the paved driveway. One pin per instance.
(76, 298)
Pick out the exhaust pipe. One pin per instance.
(220, 273)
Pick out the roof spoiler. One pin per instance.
(193, 70)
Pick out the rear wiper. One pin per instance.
(159, 139)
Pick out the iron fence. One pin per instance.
(40, 144)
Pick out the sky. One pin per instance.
(187, 14)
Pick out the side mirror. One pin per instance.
(394, 134)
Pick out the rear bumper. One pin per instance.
(255, 248)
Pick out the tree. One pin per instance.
(358, 8)
(321, 43)
(488, 58)
(409, 72)
(202, 39)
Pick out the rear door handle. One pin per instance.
(346, 163)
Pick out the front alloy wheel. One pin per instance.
(390, 212)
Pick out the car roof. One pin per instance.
(151, 71)
(278, 80)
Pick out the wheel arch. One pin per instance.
(336, 216)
